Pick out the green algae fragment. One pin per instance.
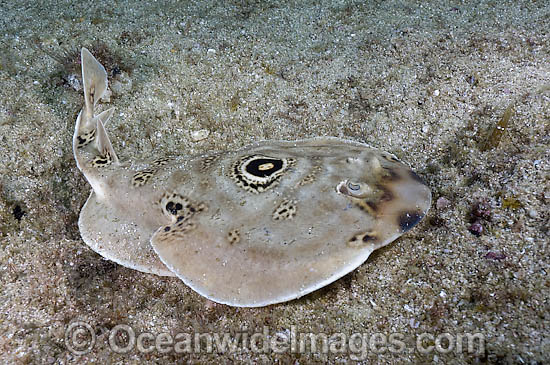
(234, 102)
(511, 203)
(268, 69)
(498, 130)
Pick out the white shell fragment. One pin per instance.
(262, 225)
(199, 135)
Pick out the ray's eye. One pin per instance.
(354, 189)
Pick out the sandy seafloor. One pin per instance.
(425, 80)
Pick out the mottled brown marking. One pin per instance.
(373, 206)
(176, 231)
(387, 195)
(311, 177)
(363, 238)
(366, 206)
(369, 237)
(180, 207)
(285, 210)
(391, 175)
(142, 177)
(85, 138)
(207, 162)
(161, 161)
(102, 161)
(234, 236)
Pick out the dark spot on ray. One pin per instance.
(179, 206)
(180, 218)
(369, 237)
(387, 195)
(18, 213)
(372, 205)
(407, 220)
(167, 229)
(257, 167)
(173, 208)
(258, 173)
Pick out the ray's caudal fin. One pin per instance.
(91, 145)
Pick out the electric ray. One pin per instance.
(265, 224)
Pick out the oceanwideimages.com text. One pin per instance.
(80, 338)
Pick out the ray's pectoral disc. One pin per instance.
(295, 217)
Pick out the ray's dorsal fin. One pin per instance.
(94, 81)
(103, 144)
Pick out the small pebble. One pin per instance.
(495, 255)
(116, 87)
(75, 83)
(199, 135)
(532, 213)
(442, 203)
(414, 323)
(436, 93)
(482, 210)
(122, 84)
(476, 229)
